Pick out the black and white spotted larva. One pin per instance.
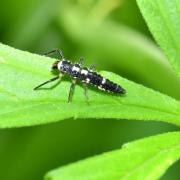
(84, 74)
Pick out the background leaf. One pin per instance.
(163, 19)
(22, 34)
(21, 71)
(143, 159)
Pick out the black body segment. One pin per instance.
(90, 77)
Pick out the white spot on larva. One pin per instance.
(59, 65)
(75, 69)
(103, 81)
(84, 72)
(99, 87)
(2, 60)
(87, 80)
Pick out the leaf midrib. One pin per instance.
(99, 102)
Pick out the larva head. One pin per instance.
(55, 66)
(63, 66)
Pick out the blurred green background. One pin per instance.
(111, 34)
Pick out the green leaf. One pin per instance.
(21, 106)
(143, 159)
(163, 19)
